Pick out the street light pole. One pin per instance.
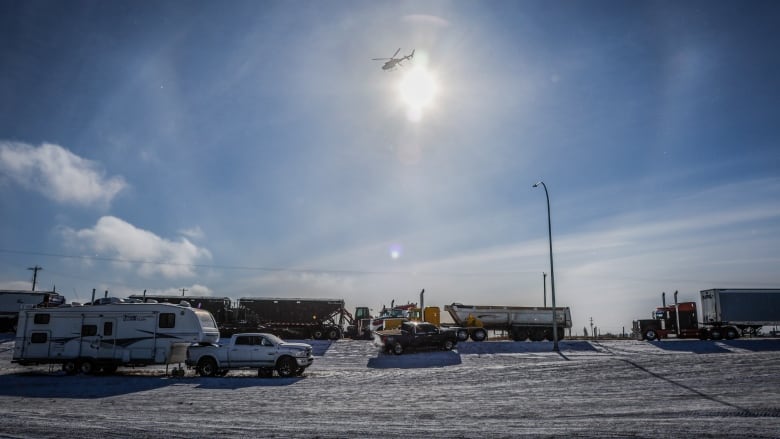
(544, 280)
(552, 271)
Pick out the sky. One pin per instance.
(256, 148)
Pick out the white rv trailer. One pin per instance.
(92, 338)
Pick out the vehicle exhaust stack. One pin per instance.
(663, 299)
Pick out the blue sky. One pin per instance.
(255, 149)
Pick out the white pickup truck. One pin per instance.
(261, 351)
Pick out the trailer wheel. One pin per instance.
(479, 335)
(318, 334)
(70, 367)
(536, 334)
(463, 334)
(398, 348)
(651, 335)
(448, 345)
(87, 367)
(716, 334)
(207, 367)
(731, 334)
(286, 367)
(520, 334)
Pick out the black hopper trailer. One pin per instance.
(294, 318)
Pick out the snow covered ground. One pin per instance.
(491, 389)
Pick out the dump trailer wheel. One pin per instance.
(520, 334)
(479, 335)
(398, 348)
(537, 334)
(286, 367)
(463, 334)
(448, 345)
(318, 334)
(207, 367)
(70, 367)
(87, 367)
(651, 335)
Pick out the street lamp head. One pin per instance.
(537, 183)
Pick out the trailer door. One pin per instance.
(37, 345)
(98, 338)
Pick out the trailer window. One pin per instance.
(167, 320)
(39, 337)
(108, 328)
(88, 330)
(41, 319)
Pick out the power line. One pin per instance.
(267, 269)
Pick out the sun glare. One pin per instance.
(418, 89)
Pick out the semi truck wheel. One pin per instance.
(716, 334)
(651, 335)
(207, 367)
(731, 334)
(286, 367)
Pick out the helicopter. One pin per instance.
(392, 62)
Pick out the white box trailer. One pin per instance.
(744, 309)
(92, 338)
(11, 301)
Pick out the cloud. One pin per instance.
(58, 174)
(134, 248)
(192, 233)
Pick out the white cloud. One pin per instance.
(134, 248)
(58, 174)
(192, 233)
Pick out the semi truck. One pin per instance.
(11, 301)
(725, 313)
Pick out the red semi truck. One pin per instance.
(725, 313)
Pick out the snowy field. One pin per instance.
(481, 390)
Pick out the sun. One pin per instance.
(418, 89)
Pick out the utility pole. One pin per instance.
(544, 279)
(182, 291)
(592, 334)
(35, 274)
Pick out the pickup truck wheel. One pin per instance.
(398, 348)
(207, 367)
(286, 367)
(479, 335)
(70, 367)
(448, 345)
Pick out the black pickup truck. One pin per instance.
(416, 335)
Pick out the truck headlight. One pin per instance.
(302, 354)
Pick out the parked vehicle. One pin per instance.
(726, 313)
(416, 335)
(534, 323)
(92, 338)
(220, 307)
(359, 324)
(261, 351)
(290, 317)
(11, 301)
